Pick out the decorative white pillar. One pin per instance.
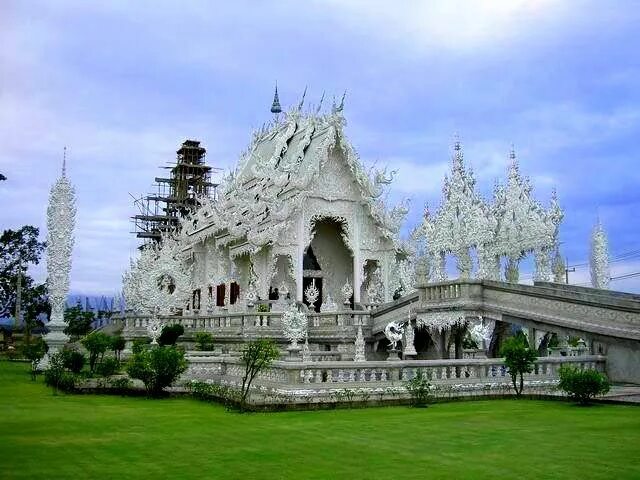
(61, 214)
(300, 262)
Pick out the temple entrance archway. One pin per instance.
(329, 261)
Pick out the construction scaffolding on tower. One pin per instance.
(175, 196)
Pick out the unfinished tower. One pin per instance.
(189, 178)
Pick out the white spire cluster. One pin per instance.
(512, 226)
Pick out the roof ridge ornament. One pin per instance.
(275, 106)
(304, 94)
(320, 104)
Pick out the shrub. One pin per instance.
(157, 367)
(262, 308)
(34, 351)
(72, 360)
(519, 359)
(139, 344)
(108, 366)
(57, 377)
(170, 334)
(120, 384)
(420, 390)
(117, 345)
(582, 385)
(96, 343)
(204, 341)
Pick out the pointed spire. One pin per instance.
(320, 104)
(340, 107)
(304, 94)
(64, 162)
(275, 106)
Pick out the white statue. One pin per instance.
(347, 291)
(394, 331)
(311, 293)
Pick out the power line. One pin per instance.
(626, 275)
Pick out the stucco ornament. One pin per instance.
(599, 258)
(294, 325)
(375, 289)
(439, 321)
(346, 291)
(160, 280)
(61, 214)
(328, 305)
(394, 332)
(154, 329)
(359, 346)
(312, 293)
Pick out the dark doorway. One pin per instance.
(306, 281)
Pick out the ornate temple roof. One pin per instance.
(274, 176)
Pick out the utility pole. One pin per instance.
(567, 270)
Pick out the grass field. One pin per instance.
(90, 436)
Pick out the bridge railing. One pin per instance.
(341, 374)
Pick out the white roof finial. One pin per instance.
(64, 162)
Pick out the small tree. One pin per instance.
(96, 343)
(256, 356)
(117, 345)
(420, 390)
(582, 385)
(57, 377)
(170, 334)
(204, 341)
(78, 321)
(72, 359)
(157, 367)
(519, 359)
(34, 351)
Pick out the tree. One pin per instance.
(519, 359)
(157, 367)
(78, 321)
(117, 345)
(96, 343)
(34, 351)
(18, 249)
(257, 355)
(582, 385)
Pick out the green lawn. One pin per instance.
(90, 436)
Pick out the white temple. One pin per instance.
(299, 213)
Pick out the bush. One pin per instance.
(157, 367)
(204, 341)
(262, 308)
(72, 360)
(420, 390)
(34, 351)
(519, 359)
(57, 377)
(108, 366)
(96, 343)
(582, 385)
(120, 384)
(139, 344)
(170, 334)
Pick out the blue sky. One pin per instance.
(122, 84)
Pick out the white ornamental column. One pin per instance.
(61, 214)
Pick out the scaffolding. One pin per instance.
(175, 196)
